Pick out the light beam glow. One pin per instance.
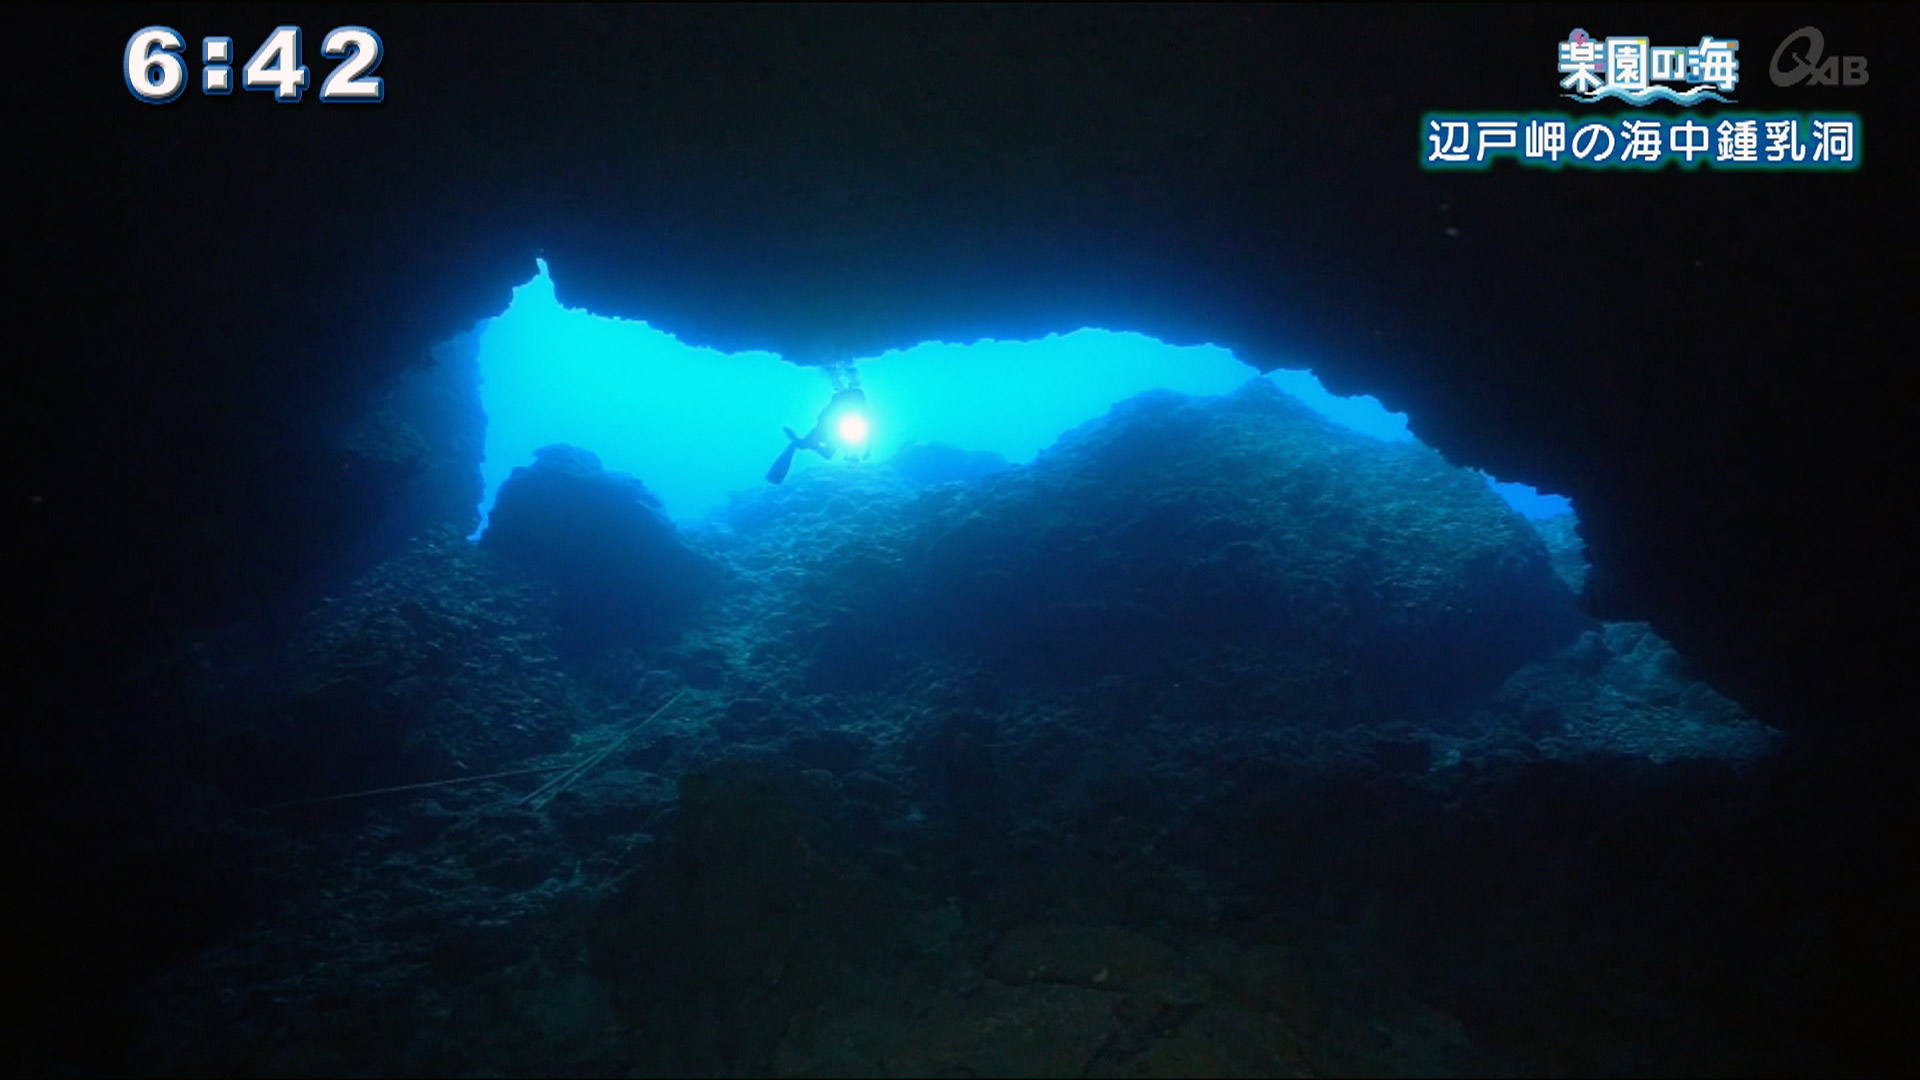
(853, 430)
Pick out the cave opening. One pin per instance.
(699, 426)
(1089, 492)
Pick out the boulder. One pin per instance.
(623, 571)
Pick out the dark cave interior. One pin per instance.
(1708, 365)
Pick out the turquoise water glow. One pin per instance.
(695, 424)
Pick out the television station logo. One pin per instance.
(1805, 46)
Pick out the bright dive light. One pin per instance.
(853, 429)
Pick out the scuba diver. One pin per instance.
(841, 425)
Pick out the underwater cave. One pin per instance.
(951, 540)
(1075, 652)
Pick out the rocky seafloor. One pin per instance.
(1217, 741)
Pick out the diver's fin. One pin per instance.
(780, 466)
(785, 461)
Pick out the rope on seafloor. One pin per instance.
(540, 797)
(411, 787)
(558, 784)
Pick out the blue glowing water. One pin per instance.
(696, 424)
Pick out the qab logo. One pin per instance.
(1805, 46)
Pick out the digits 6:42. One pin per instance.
(156, 72)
